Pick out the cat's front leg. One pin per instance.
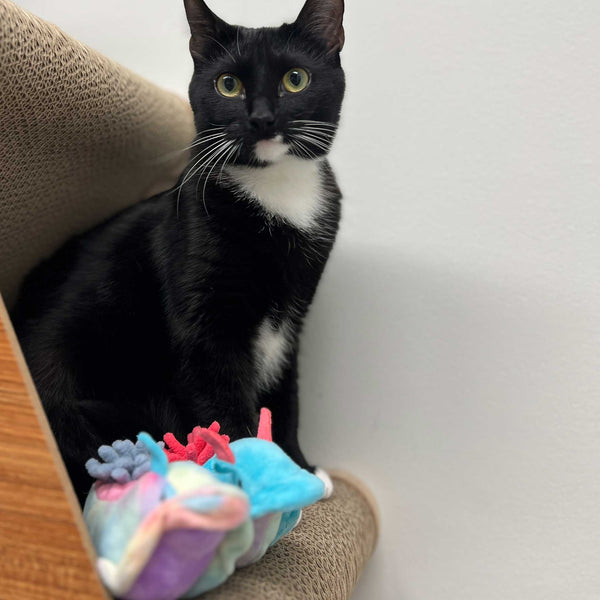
(214, 383)
(282, 400)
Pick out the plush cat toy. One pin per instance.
(172, 521)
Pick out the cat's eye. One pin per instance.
(296, 80)
(229, 85)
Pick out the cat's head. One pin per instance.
(261, 94)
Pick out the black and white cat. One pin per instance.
(187, 308)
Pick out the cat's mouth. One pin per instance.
(271, 150)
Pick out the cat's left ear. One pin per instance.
(204, 25)
(323, 19)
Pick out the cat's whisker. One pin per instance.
(314, 128)
(214, 128)
(314, 141)
(330, 130)
(207, 134)
(208, 138)
(212, 145)
(210, 130)
(210, 161)
(316, 137)
(293, 150)
(195, 157)
(210, 141)
(324, 126)
(202, 169)
(230, 158)
(312, 121)
(208, 177)
(198, 141)
(311, 153)
(309, 122)
(304, 151)
(325, 136)
(227, 158)
(215, 146)
(296, 150)
(204, 138)
(322, 135)
(239, 149)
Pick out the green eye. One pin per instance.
(296, 80)
(229, 85)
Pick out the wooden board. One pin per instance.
(44, 549)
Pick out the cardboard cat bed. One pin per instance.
(81, 138)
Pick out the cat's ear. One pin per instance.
(204, 25)
(323, 19)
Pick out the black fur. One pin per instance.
(147, 322)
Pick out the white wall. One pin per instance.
(452, 358)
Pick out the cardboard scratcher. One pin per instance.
(65, 169)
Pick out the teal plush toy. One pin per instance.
(170, 521)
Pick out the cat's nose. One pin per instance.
(262, 118)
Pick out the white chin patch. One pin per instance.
(271, 150)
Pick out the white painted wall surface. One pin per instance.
(452, 358)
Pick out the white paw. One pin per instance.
(324, 477)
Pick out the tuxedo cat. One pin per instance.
(187, 307)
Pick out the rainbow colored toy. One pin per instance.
(171, 521)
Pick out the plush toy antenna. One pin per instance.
(158, 459)
(218, 442)
(264, 425)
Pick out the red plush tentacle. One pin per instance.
(205, 455)
(173, 449)
(264, 425)
(220, 444)
(196, 444)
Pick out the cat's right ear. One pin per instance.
(204, 25)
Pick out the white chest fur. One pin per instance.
(270, 351)
(290, 188)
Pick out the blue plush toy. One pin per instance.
(166, 527)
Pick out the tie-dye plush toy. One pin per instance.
(172, 521)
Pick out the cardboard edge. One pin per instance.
(51, 444)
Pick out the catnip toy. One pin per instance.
(171, 521)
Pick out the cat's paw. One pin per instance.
(324, 477)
